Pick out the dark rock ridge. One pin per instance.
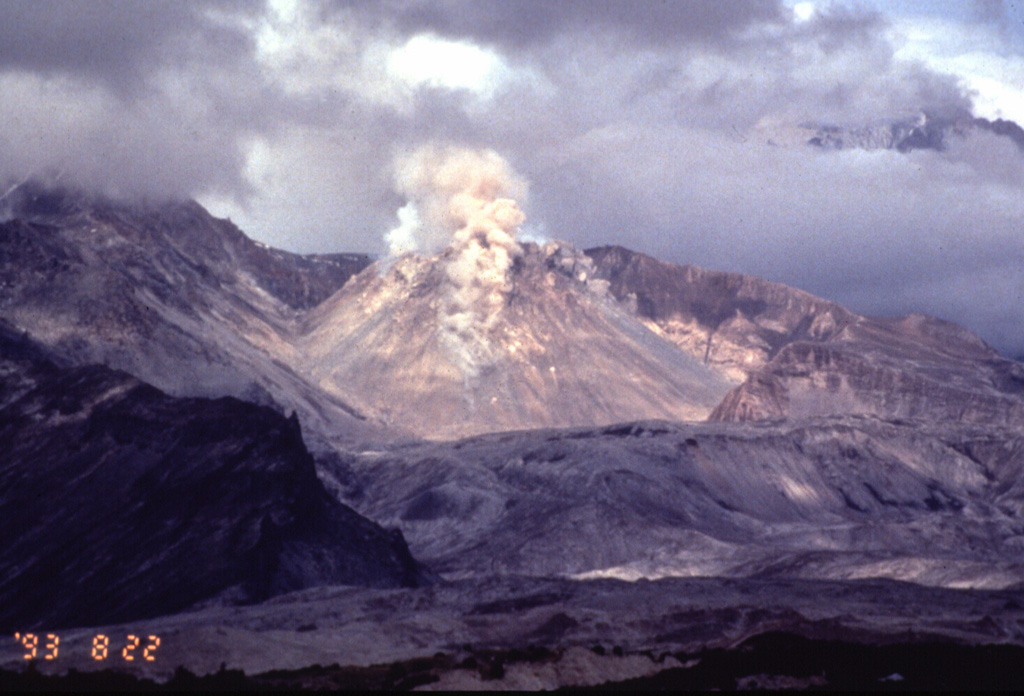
(215, 248)
(730, 321)
(887, 369)
(118, 502)
(187, 303)
(798, 355)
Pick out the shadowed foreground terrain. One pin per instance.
(851, 511)
(772, 660)
(121, 502)
(534, 633)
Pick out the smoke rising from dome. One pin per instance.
(454, 192)
(462, 203)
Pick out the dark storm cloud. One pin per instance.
(643, 124)
(129, 98)
(524, 23)
(668, 153)
(115, 42)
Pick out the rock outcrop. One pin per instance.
(167, 293)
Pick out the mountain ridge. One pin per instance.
(556, 352)
(925, 131)
(796, 354)
(836, 449)
(169, 294)
(175, 297)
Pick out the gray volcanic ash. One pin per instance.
(857, 449)
(827, 498)
(485, 333)
(557, 352)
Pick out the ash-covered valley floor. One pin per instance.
(831, 498)
(590, 556)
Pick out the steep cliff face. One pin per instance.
(916, 367)
(733, 323)
(118, 502)
(554, 351)
(799, 356)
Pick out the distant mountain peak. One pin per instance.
(921, 131)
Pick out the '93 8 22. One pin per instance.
(46, 646)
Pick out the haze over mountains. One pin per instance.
(923, 132)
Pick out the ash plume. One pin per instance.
(462, 205)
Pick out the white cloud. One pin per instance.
(803, 11)
(645, 130)
(974, 53)
(429, 60)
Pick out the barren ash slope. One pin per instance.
(797, 355)
(850, 447)
(547, 347)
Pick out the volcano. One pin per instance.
(557, 350)
(841, 452)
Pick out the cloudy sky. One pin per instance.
(668, 127)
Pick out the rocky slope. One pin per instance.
(186, 302)
(800, 356)
(844, 451)
(555, 351)
(733, 323)
(167, 293)
(118, 502)
(915, 367)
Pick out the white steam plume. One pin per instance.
(448, 190)
(462, 202)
